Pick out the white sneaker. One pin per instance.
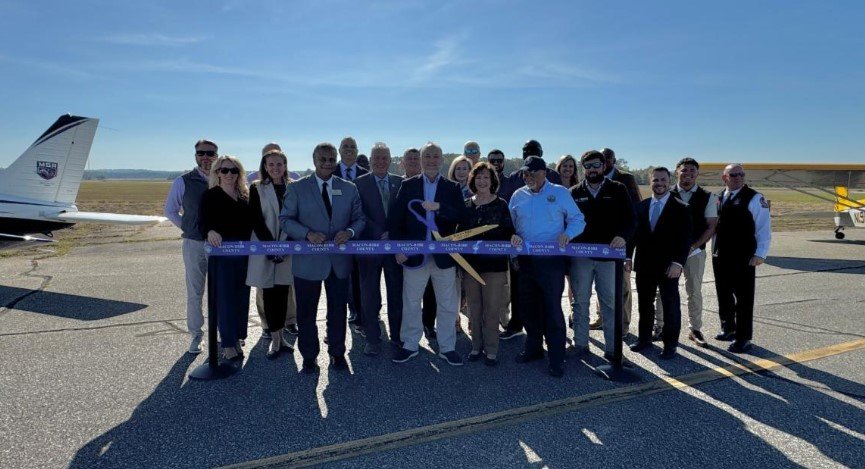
(195, 345)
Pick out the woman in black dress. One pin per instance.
(225, 216)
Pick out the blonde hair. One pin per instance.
(239, 183)
(453, 167)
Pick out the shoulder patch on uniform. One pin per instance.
(763, 202)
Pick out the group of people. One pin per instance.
(665, 235)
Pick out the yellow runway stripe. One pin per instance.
(415, 436)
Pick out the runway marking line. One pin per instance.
(425, 434)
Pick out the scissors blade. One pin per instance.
(461, 260)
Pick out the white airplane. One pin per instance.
(38, 190)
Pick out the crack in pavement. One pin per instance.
(46, 280)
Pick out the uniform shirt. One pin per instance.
(711, 207)
(542, 216)
(174, 201)
(762, 223)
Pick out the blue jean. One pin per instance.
(583, 272)
(228, 297)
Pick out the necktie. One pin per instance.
(385, 194)
(348, 173)
(656, 212)
(326, 200)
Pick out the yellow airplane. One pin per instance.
(831, 182)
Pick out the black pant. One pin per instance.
(647, 284)
(428, 307)
(734, 283)
(354, 300)
(371, 268)
(228, 297)
(542, 282)
(307, 294)
(275, 305)
(516, 321)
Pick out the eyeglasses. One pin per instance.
(497, 160)
(205, 153)
(472, 151)
(736, 175)
(229, 170)
(593, 165)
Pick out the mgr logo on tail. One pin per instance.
(46, 169)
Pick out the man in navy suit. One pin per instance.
(349, 169)
(662, 242)
(378, 192)
(320, 208)
(437, 202)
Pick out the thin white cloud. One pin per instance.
(49, 66)
(560, 71)
(181, 66)
(153, 39)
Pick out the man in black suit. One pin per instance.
(662, 243)
(440, 202)
(613, 173)
(378, 191)
(349, 170)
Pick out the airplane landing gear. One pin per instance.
(838, 233)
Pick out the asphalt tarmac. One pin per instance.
(93, 373)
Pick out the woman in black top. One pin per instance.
(567, 169)
(271, 274)
(225, 216)
(487, 302)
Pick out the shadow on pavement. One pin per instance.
(84, 308)
(807, 264)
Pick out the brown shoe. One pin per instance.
(597, 324)
(697, 338)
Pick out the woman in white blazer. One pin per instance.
(272, 274)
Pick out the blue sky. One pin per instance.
(720, 81)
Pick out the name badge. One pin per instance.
(336, 192)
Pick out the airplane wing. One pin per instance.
(111, 218)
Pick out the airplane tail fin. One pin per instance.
(52, 168)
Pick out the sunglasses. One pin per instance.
(205, 153)
(472, 152)
(736, 175)
(594, 165)
(496, 160)
(229, 170)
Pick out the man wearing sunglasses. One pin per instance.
(610, 220)
(181, 207)
(741, 243)
(320, 208)
(472, 151)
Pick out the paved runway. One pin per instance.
(93, 374)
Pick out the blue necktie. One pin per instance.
(656, 213)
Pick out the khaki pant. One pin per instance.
(485, 304)
(695, 266)
(290, 310)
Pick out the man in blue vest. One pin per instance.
(181, 207)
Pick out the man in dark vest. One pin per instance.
(704, 218)
(181, 207)
(741, 243)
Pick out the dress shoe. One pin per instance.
(526, 357)
(372, 350)
(556, 371)
(597, 324)
(286, 347)
(292, 329)
(740, 346)
(726, 336)
(429, 333)
(309, 367)
(668, 353)
(641, 345)
(338, 363)
(474, 356)
(273, 354)
(490, 361)
(697, 338)
(657, 334)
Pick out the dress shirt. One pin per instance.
(344, 169)
(174, 201)
(711, 210)
(429, 193)
(320, 182)
(594, 192)
(542, 216)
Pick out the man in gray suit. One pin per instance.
(378, 192)
(321, 208)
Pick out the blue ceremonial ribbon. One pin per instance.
(498, 248)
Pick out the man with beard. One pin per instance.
(609, 220)
(182, 208)
(661, 241)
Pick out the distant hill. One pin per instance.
(97, 174)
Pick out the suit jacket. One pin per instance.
(404, 226)
(360, 172)
(304, 211)
(630, 183)
(373, 209)
(670, 242)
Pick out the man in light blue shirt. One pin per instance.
(543, 212)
